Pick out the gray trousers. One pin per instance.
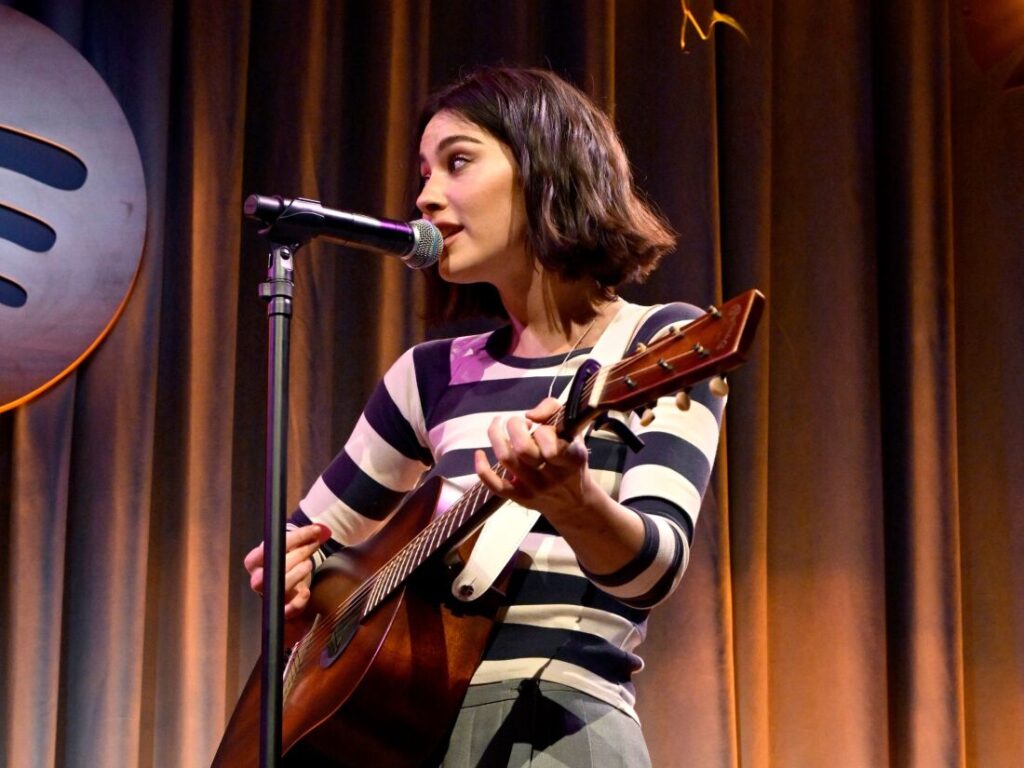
(537, 724)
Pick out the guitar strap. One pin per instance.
(505, 530)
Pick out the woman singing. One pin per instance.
(531, 189)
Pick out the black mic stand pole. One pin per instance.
(277, 292)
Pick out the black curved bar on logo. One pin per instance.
(26, 230)
(40, 159)
(11, 294)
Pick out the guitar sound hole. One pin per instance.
(341, 636)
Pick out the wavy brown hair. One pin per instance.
(585, 217)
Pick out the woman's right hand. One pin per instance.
(300, 544)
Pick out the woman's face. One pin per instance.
(471, 193)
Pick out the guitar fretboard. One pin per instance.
(471, 507)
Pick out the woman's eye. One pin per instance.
(457, 161)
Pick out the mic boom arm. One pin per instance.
(297, 221)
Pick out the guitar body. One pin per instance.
(391, 696)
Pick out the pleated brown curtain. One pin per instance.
(854, 597)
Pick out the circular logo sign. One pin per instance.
(72, 209)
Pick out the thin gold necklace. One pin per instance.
(551, 386)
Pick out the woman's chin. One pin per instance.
(451, 273)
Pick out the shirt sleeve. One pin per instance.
(382, 460)
(665, 481)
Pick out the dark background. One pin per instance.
(854, 596)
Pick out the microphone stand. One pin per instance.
(277, 292)
(288, 230)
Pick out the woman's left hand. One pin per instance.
(543, 471)
(548, 474)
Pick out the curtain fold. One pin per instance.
(826, 635)
(987, 190)
(40, 519)
(853, 596)
(916, 288)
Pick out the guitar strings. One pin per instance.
(366, 588)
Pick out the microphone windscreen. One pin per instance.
(429, 244)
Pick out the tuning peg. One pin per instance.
(646, 417)
(719, 386)
(683, 400)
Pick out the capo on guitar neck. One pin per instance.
(575, 400)
(575, 409)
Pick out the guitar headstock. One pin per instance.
(711, 345)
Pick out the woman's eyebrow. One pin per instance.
(449, 140)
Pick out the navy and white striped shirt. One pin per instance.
(428, 416)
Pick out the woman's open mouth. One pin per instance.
(448, 231)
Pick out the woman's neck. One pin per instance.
(552, 315)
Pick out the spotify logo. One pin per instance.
(72, 208)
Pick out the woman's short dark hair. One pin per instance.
(585, 217)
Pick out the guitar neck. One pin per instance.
(441, 534)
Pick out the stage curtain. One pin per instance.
(854, 596)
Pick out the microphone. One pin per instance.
(418, 243)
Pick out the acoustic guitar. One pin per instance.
(384, 654)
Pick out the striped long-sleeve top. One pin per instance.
(428, 416)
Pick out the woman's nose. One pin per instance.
(431, 197)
